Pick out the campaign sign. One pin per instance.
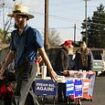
(91, 85)
(78, 87)
(45, 87)
(69, 87)
(86, 83)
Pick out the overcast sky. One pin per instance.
(63, 14)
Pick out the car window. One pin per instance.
(97, 56)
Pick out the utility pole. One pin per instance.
(86, 35)
(46, 31)
(86, 20)
(74, 33)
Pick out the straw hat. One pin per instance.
(20, 9)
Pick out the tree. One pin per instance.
(84, 28)
(1, 34)
(4, 36)
(54, 39)
(96, 28)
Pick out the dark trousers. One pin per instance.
(62, 92)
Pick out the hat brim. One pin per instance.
(25, 14)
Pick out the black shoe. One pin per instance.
(66, 99)
(60, 100)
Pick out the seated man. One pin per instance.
(62, 64)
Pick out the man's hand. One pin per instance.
(66, 73)
(53, 75)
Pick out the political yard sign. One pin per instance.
(78, 88)
(70, 87)
(45, 87)
(74, 88)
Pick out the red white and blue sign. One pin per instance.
(78, 88)
(70, 87)
(74, 88)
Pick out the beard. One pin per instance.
(16, 26)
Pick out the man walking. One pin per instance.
(25, 42)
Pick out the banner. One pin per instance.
(85, 88)
(91, 85)
(70, 87)
(45, 87)
(74, 87)
(88, 86)
(78, 88)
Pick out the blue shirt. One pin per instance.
(25, 45)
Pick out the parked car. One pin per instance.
(98, 63)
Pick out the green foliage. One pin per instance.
(4, 36)
(1, 34)
(96, 28)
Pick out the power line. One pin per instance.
(61, 28)
(53, 16)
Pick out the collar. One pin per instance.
(24, 30)
(86, 51)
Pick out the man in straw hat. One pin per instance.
(25, 42)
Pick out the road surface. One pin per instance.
(98, 96)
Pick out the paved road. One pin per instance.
(99, 92)
(98, 96)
